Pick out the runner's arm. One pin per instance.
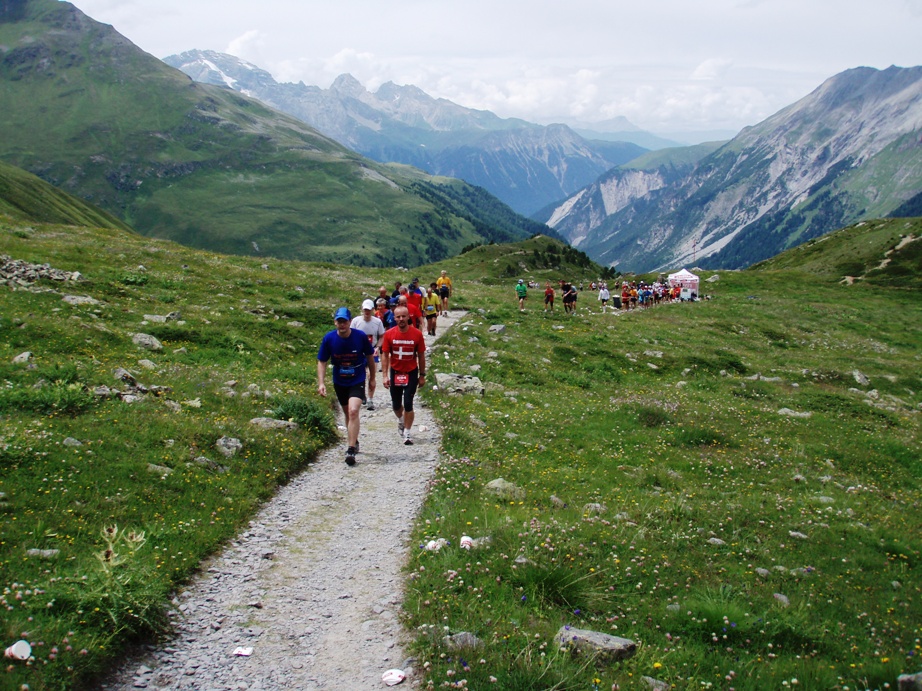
(321, 376)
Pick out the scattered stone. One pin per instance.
(860, 378)
(160, 470)
(208, 464)
(272, 423)
(146, 341)
(43, 553)
(656, 684)
(228, 446)
(504, 489)
(155, 318)
(77, 300)
(70, 441)
(102, 392)
(825, 500)
(653, 353)
(793, 413)
(462, 641)
(797, 535)
(459, 383)
(652, 366)
(782, 599)
(147, 364)
(121, 374)
(764, 573)
(594, 508)
(910, 682)
(716, 541)
(497, 329)
(603, 646)
(557, 501)
(712, 279)
(296, 324)
(22, 358)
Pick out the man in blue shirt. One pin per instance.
(350, 352)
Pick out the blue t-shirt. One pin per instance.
(349, 356)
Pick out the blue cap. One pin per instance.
(343, 313)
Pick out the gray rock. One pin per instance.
(504, 489)
(860, 378)
(656, 684)
(910, 682)
(459, 383)
(594, 508)
(22, 358)
(557, 502)
(605, 647)
(43, 553)
(161, 470)
(712, 279)
(80, 300)
(147, 364)
(462, 641)
(146, 341)
(124, 375)
(228, 446)
(782, 599)
(208, 464)
(272, 423)
(155, 318)
(793, 413)
(764, 573)
(70, 441)
(497, 329)
(716, 541)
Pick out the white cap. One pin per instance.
(368, 305)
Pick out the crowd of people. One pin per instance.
(389, 332)
(632, 294)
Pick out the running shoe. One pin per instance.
(350, 455)
(406, 439)
(371, 404)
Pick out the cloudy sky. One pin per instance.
(668, 66)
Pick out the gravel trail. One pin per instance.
(313, 585)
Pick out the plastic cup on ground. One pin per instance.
(20, 650)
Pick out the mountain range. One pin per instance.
(88, 111)
(524, 164)
(850, 150)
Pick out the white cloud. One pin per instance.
(666, 64)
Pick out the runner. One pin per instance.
(521, 291)
(604, 296)
(432, 303)
(347, 347)
(548, 296)
(373, 327)
(444, 290)
(403, 360)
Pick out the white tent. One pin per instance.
(684, 279)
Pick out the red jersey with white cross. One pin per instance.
(403, 347)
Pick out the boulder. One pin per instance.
(146, 341)
(22, 358)
(605, 647)
(459, 383)
(228, 446)
(504, 489)
(272, 423)
(462, 641)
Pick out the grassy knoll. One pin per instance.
(667, 500)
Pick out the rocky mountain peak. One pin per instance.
(347, 85)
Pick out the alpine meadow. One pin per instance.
(710, 493)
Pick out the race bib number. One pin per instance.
(347, 371)
(401, 379)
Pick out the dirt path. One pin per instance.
(313, 586)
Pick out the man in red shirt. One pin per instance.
(403, 362)
(416, 314)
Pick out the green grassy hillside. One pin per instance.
(25, 197)
(731, 483)
(882, 252)
(89, 112)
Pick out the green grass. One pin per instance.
(705, 488)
